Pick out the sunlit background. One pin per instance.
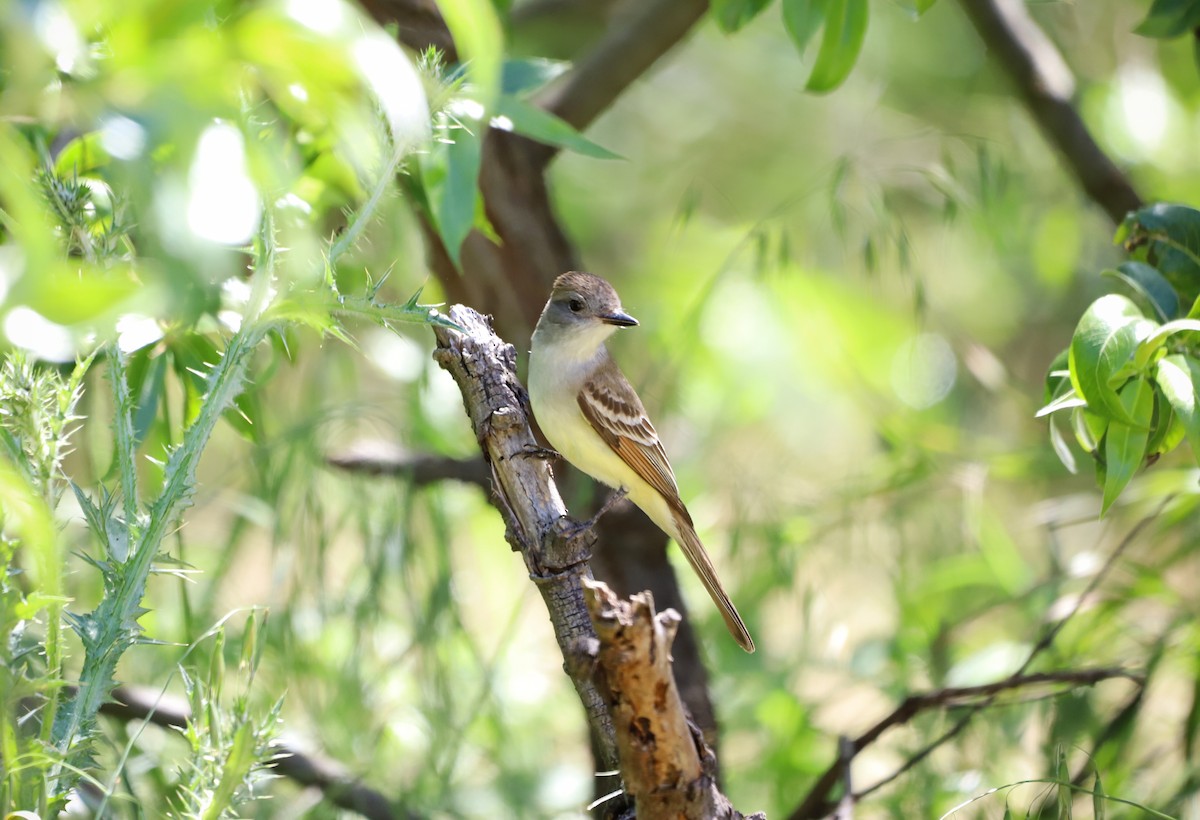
(848, 304)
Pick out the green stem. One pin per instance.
(364, 215)
(115, 620)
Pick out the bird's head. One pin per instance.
(583, 309)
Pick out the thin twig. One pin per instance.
(385, 459)
(955, 697)
(816, 803)
(845, 809)
(1047, 87)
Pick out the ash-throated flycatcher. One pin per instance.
(592, 416)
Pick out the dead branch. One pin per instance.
(1047, 87)
(485, 369)
(665, 764)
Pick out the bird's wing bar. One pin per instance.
(616, 413)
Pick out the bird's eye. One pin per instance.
(575, 305)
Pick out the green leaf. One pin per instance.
(1169, 429)
(1099, 328)
(124, 440)
(1061, 448)
(1152, 343)
(802, 18)
(1125, 444)
(1160, 424)
(1064, 784)
(1089, 428)
(522, 76)
(1167, 236)
(731, 15)
(480, 40)
(1151, 285)
(1176, 377)
(77, 291)
(845, 29)
(1066, 401)
(453, 195)
(539, 124)
(1120, 359)
(1055, 375)
(1170, 18)
(81, 155)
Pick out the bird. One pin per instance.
(592, 416)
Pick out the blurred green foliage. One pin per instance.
(848, 305)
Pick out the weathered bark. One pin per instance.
(485, 369)
(633, 560)
(668, 770)
(511, 280)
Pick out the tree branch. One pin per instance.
(510, 279)
(380, 458)
(1047, 86)
(419, 24)
(485, 369)
(622, 55)
(816, 803)
(665, 765)
(339, 786)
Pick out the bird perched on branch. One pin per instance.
(594, 418)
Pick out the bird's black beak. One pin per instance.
(619, 319)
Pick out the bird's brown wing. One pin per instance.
(613, 409)
(615, 412)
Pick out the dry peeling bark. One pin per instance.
(667, 768)
(485, 368)
(621, 666)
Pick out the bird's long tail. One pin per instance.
(698, 558)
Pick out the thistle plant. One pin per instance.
(49, 732)
(37, 419)
(230, 745)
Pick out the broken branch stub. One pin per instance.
(667, 767)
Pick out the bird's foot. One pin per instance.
(608, 505)
(570, 528)
(545, 453)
